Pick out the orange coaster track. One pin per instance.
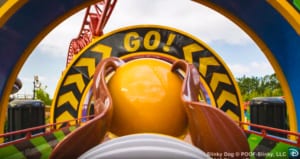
(94, 21)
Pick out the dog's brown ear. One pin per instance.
(210, 128)
(91, 133)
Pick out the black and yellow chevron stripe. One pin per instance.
(73, 85)
(217, 78)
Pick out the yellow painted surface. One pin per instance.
(288, 12)
(9, 8)
(146, 98)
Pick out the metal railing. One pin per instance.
(293, 138)
(49, 128)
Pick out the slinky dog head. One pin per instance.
(146, 99)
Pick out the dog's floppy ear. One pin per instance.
(210, 128)
(91, 133)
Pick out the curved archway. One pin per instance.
(278, 37)
(17, 39)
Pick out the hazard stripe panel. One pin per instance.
(73, 85)
(133, 40)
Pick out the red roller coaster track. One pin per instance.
(94, 21)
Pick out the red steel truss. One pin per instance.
(94, 21)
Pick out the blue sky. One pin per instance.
(241, 54)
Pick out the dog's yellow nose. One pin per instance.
(146, 99)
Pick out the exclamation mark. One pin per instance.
(170, 40)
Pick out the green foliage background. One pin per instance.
(42, 95)
(250, 87)
(266, 86)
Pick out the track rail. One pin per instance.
(95, 19)
(264, 129)
(77, 122)
(49, 128)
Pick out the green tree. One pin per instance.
(266, 86)
(248, 86)
(42, 95)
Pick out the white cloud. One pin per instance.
(188, 16)
(253, 68)
(57, 42)
(239, 69)
(196, 19)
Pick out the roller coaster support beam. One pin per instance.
(94, 21)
